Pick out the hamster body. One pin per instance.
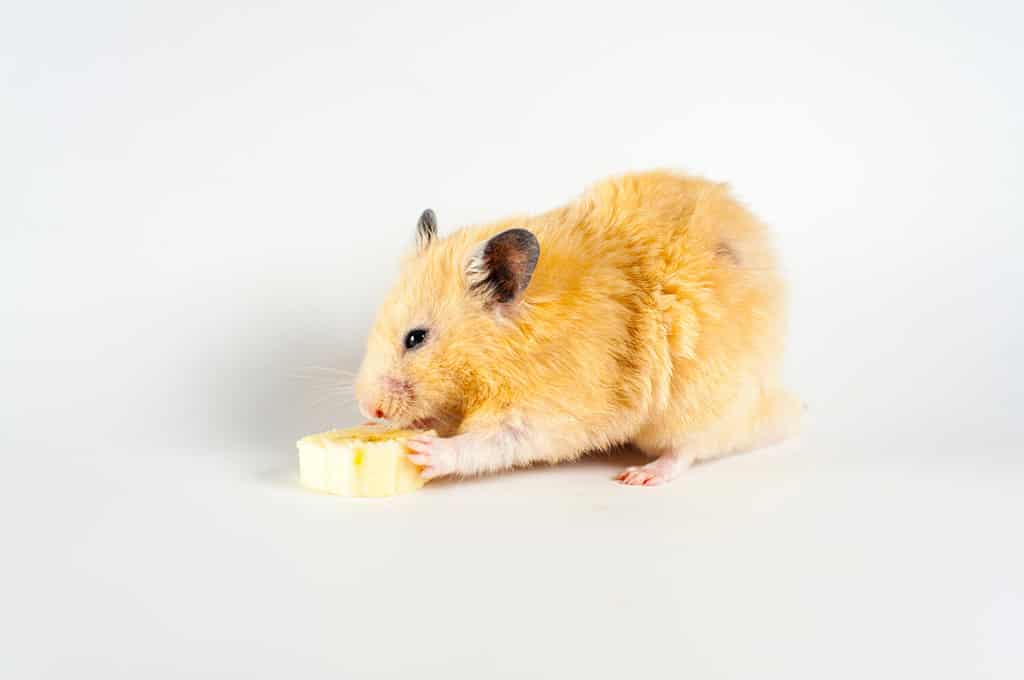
(649, 311)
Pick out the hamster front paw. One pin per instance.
(438, 456)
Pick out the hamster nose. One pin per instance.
(371, 412)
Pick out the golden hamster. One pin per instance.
(651, 311)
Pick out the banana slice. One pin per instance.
(369, 460)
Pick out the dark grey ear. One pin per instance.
(426, 229)
(500, 268)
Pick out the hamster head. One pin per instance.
(441, 336)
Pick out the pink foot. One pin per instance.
(436, 455)
(659, 471)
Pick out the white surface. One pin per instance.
(201, 202)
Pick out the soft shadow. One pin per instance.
(267, 390)
(286, 475)
(280, 476)
(618, 457)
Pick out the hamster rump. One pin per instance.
(650, 311)
(727, 302)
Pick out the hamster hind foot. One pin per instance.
(661, 470)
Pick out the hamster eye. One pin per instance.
(415, 337)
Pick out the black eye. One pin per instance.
(415, 337)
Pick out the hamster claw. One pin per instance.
(639, 475)
(660, 471)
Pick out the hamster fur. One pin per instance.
(654, 315)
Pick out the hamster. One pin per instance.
(650, 311)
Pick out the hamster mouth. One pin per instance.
(424, 424)
(444, 425)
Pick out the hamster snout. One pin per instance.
(388, 397)
(370, 413)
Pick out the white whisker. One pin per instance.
(330, 369)
(342, 382)
(335, 399)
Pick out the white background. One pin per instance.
(199, 202)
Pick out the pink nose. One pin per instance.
(371, 411)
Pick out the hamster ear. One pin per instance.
(426, 229)
(500, 268)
